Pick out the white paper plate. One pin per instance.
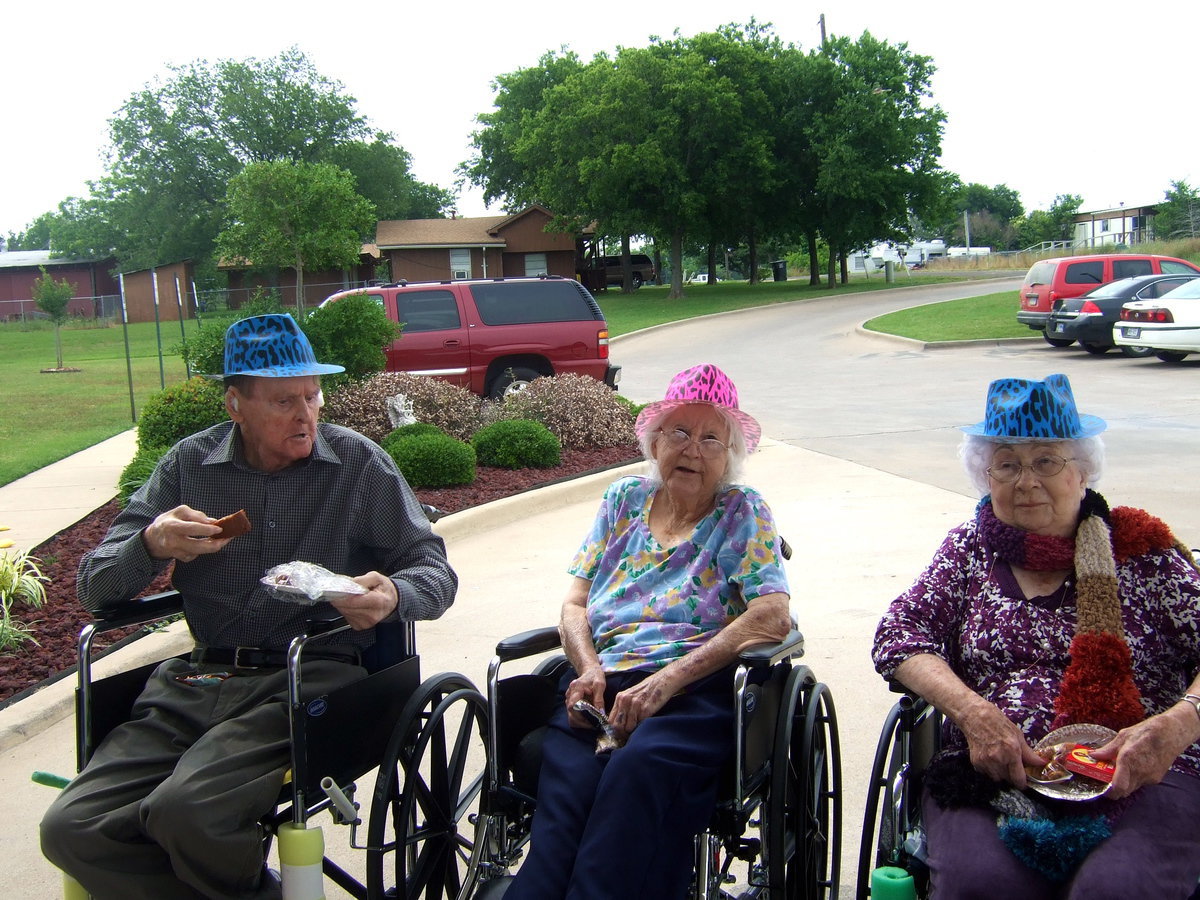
(1079, 787)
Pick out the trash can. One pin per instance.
(779, 269)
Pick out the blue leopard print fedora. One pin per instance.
(271, 346)
(1022, 410)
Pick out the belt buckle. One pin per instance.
(237, 658)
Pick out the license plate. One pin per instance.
(1060, 327)
(1131, 332)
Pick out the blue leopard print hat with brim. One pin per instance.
(1022, 410)
(271, 346)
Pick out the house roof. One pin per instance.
(12, 259)
(479, 231)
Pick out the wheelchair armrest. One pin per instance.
(331, 622)
(528, 643)
(769, 654)
(137, 611)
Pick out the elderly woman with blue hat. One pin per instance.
(1048, 613)
(681, 569)
(169, 804)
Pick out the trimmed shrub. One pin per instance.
(581, 411)
(134, 475)
(517, 444)
(362, 405)
(352, 332)
(416, 429)
(182, 409)
(434, 460)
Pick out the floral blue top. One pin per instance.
(649, 605)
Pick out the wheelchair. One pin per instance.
(776, 830)
(416, 732)
(892, 834)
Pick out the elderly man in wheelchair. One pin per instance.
(680, 574)
(169, 803)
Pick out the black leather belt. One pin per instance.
(254, 658)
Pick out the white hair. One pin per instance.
(976, 453)
(735, 453)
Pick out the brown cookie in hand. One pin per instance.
(232, 526)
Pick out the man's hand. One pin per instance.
(182, 533)
(364, 611)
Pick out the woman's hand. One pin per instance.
(1144, 752)
(998, 748)
(590, 687)
(634, 705)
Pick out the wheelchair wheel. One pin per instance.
(420, 834)
(804, 807)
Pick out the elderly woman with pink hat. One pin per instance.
(1049, 619)
(682, 569)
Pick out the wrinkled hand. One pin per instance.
(634, 705)
(182, 533)
(590, 687)
(363, 611)
(998, 748)
(1143, 753)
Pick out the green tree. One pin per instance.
(292, 215)
(876, 141)
(1053, 226)
(36, 235)
(381, 174)
(52, 298)
(1178, 215)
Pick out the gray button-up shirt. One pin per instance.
(346, 507)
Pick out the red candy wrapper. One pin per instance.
(1079, 760)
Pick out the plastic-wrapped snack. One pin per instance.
(308, 583)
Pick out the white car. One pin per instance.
(1170, 324)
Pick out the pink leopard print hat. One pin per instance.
(704, 383)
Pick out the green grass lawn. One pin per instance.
(649, 306)
(47, 416)
(987, 317)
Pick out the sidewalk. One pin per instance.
(860, 535)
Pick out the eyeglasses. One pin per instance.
(1043, 467)
(678, 439)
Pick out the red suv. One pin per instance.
(1050, 281)
(495, 335)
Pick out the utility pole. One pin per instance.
(821, 22)
(967, 230)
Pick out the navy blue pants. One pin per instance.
(621, 825)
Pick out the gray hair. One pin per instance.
(976, 451)
(735, 455)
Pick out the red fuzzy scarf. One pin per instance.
(1098, 686)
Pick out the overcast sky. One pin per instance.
(1049, 98)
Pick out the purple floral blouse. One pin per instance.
(648, 604)
(967, 608)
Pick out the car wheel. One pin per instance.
(1136, 352)
(1170, 355)
(511, 381)
(637, 280)
(1057, 342)
(1095, 349)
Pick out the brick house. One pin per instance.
(480, 247)
(95, 288)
